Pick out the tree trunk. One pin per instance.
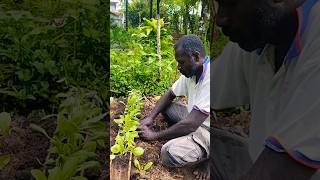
(203, 18)
(186, 19)
(126, 14)
(176, 22)
(158, 36)
(212, 22)
(150, 5)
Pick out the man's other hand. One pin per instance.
(147, 134)
(146, 121)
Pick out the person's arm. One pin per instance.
(163, 102)
(184, 127)
(272, 165)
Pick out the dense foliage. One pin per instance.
(47, 47)
(134, 62)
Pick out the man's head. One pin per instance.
(254, 23)
(190, 54)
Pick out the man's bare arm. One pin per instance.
(272, 165)
(164, 102)
(184, 127)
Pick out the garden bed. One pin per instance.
(28, 149)
(152, 149)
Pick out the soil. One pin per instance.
(28, 149)
(152, 149)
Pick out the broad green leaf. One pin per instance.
(38, 175)
(39, 129)
(90, 146)
(5, 121)
(93, 120)
(137, 164)
(4, 160)
(55, 173)
(138, 151)
(147, 166)
(90, 165)
(115, 148)
(118, 121)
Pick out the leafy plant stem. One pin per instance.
(129, 167)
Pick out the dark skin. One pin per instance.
(253, 24)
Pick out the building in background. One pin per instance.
(116, 14)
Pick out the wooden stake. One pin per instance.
(129, 167)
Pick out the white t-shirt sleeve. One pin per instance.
(228, 83)
(179, 88)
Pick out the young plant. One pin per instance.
(142, 169)
(80, 132)
(128, 124)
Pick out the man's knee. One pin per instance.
(175, 155)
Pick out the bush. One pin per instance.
(134, 63)
(46, 47)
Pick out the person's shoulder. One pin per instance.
(312, 28)
(233, 50)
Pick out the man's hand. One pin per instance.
(147, 134)
(146, 121)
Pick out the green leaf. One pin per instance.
(38, 175)
(90, 146)
(147, 166)
(39, 129)
(79, 178)
(4, 160)
(137, 164)
(90, 165)
(115, 148)
(118, 121)
(5, 121)
(138, 151)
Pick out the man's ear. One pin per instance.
(196, 54)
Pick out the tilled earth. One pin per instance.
(236, 124)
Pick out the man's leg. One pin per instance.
(181, 152)
(175, 113)
(229, 156)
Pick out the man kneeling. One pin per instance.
(188, 132)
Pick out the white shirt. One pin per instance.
(198, 94)
(285, 105)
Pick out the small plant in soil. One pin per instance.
(79, 134)
(142, 169)
(128, 123)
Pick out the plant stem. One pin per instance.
(129, 168)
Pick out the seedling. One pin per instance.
(128, 124)
(142, 169)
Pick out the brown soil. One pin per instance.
(152, 149)
(237, 124)
(27, 149)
